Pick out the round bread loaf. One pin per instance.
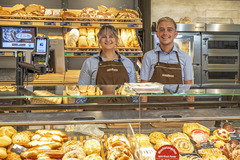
(5, 141)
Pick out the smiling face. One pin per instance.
(166, 33)
(108, 40)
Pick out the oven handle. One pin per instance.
(205, 55)
(205, 41)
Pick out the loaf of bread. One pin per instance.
(35, 9)
(56, 13)
(52, 100)
(83, 32)
(124, 37)
(130, 12)
(102, 8)
(21, 138)
(48, 12)
(82, 41)
(114, 11)
(68, 14)
(91, 41)
(18, 8)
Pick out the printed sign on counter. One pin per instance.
(167, 152)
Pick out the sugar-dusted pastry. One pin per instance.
(92, 146)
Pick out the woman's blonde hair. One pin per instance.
(106, 28)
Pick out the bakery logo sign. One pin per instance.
(168, 75)
(167, 152)
(112, 70)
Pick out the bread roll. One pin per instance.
(20, 138)
(92, 146)
(7, 131)
(3, 152)
(93, 157)
(5, 141)
(13, 156)
(83, 31)
(82, 41)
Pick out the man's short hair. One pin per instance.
(167, 19)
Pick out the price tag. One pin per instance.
(101, 24)
(79, 53)
(167, 152)
(204, 145)
(68, 54)
(235, 136)
(91, 53)
(2, 53)
(18, 149)
(86, 24)
(66, 23)
(50, 23)
(26, 22)
(125, 53)
(132, 25)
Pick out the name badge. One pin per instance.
(112, 70)
(168, 75)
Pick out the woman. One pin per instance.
(108, 67)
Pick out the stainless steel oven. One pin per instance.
(220, 58)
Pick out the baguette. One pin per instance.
(44, 132)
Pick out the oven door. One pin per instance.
(220, 58)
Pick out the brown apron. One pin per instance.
(110, 73)
(166, 73)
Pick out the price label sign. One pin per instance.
(132, 25)
(235, 136)
(26, 22)
(18, 149)
(50, 23)
(102, 24)
(167, 152)
(205, 145)
(79, 53)
(86, 24)
(66, 23)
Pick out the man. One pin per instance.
(167, 64)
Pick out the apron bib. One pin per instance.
(110, 73)
(166, 73)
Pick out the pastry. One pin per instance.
(92, 146)
(71, 148)
(93, 157)
(215, 152)
(119, 152)
(72, 142)
(189, 127)
(174, 136)
(222, 134)
(199, 136)
(116, 141)
(183, 145)
(229, 127)
(219, 144)
(43, 143)
(5, 141)
(3, 152)
(161, 142)
(74, 154)
(154, 136)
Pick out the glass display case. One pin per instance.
(67, 108)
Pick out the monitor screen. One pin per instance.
(17, 37)
(41, 45)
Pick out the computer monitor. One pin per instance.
(17, 37)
